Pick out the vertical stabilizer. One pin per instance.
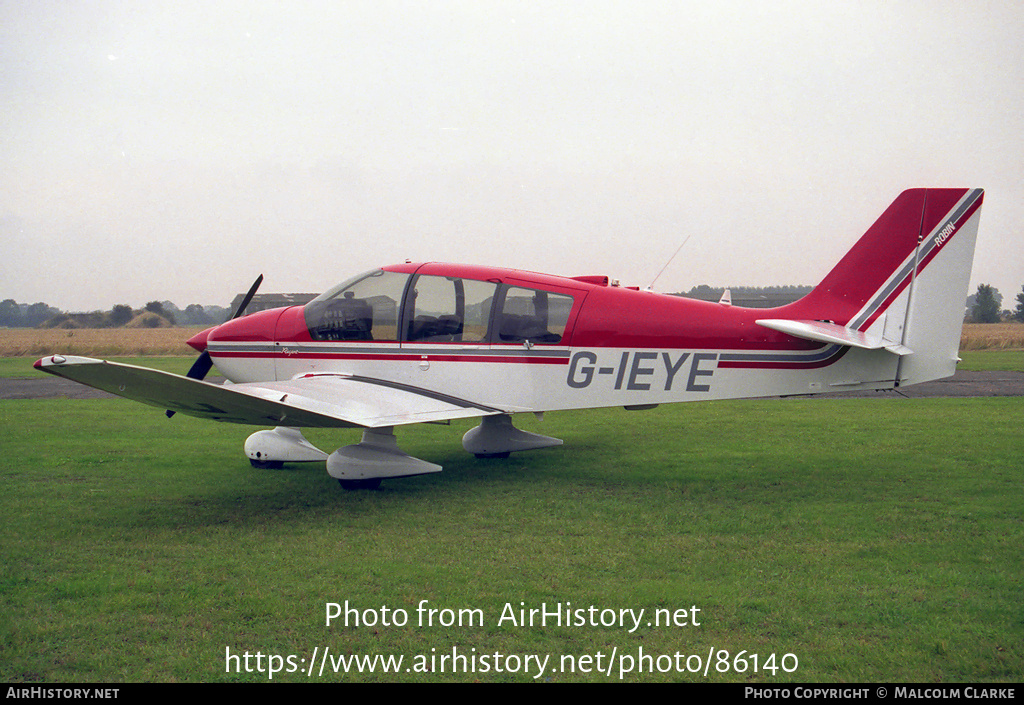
(904, 283)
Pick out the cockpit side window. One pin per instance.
(531, 314)
(450, 310)
(363, 308)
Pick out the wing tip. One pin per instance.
(44, 364)
(51, 363)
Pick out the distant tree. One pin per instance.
(217, 314)
(37, 313)
(170, 310)
(10, 313)
(986, 306)
(120, 314)
(1018, 315)
(195, 315)
(158, 308)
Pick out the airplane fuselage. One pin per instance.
(613, 346)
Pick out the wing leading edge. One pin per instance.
(314, 401)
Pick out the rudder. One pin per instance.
(936, 298)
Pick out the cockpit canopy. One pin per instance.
(382, 305)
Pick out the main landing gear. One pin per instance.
(362, 466)
(496, 437)
(377, 456)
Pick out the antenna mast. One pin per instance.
(651, 287)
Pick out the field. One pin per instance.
(992, 336)
(96, 342)
(856, 540)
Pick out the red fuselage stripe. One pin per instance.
(394, 357)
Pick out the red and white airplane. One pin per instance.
(422, 343)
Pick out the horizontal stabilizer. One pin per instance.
(823, 332)
(324, 401)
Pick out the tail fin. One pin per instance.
(903, 285)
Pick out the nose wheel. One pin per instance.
(272, 449)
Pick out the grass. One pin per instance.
(992, 360)
(876, 540)
(15, 367)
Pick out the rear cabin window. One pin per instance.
(363, 308)
(530, 314)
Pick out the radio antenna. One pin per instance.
(651, 287)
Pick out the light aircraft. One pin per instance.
(425, 343)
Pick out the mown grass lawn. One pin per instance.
(873, 540)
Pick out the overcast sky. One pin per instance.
(153, 150)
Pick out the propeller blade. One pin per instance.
(201, 367)
(248, 297)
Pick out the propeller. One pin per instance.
(201, 367)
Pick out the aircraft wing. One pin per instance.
(326, 400)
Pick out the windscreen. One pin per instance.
(363, 308)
